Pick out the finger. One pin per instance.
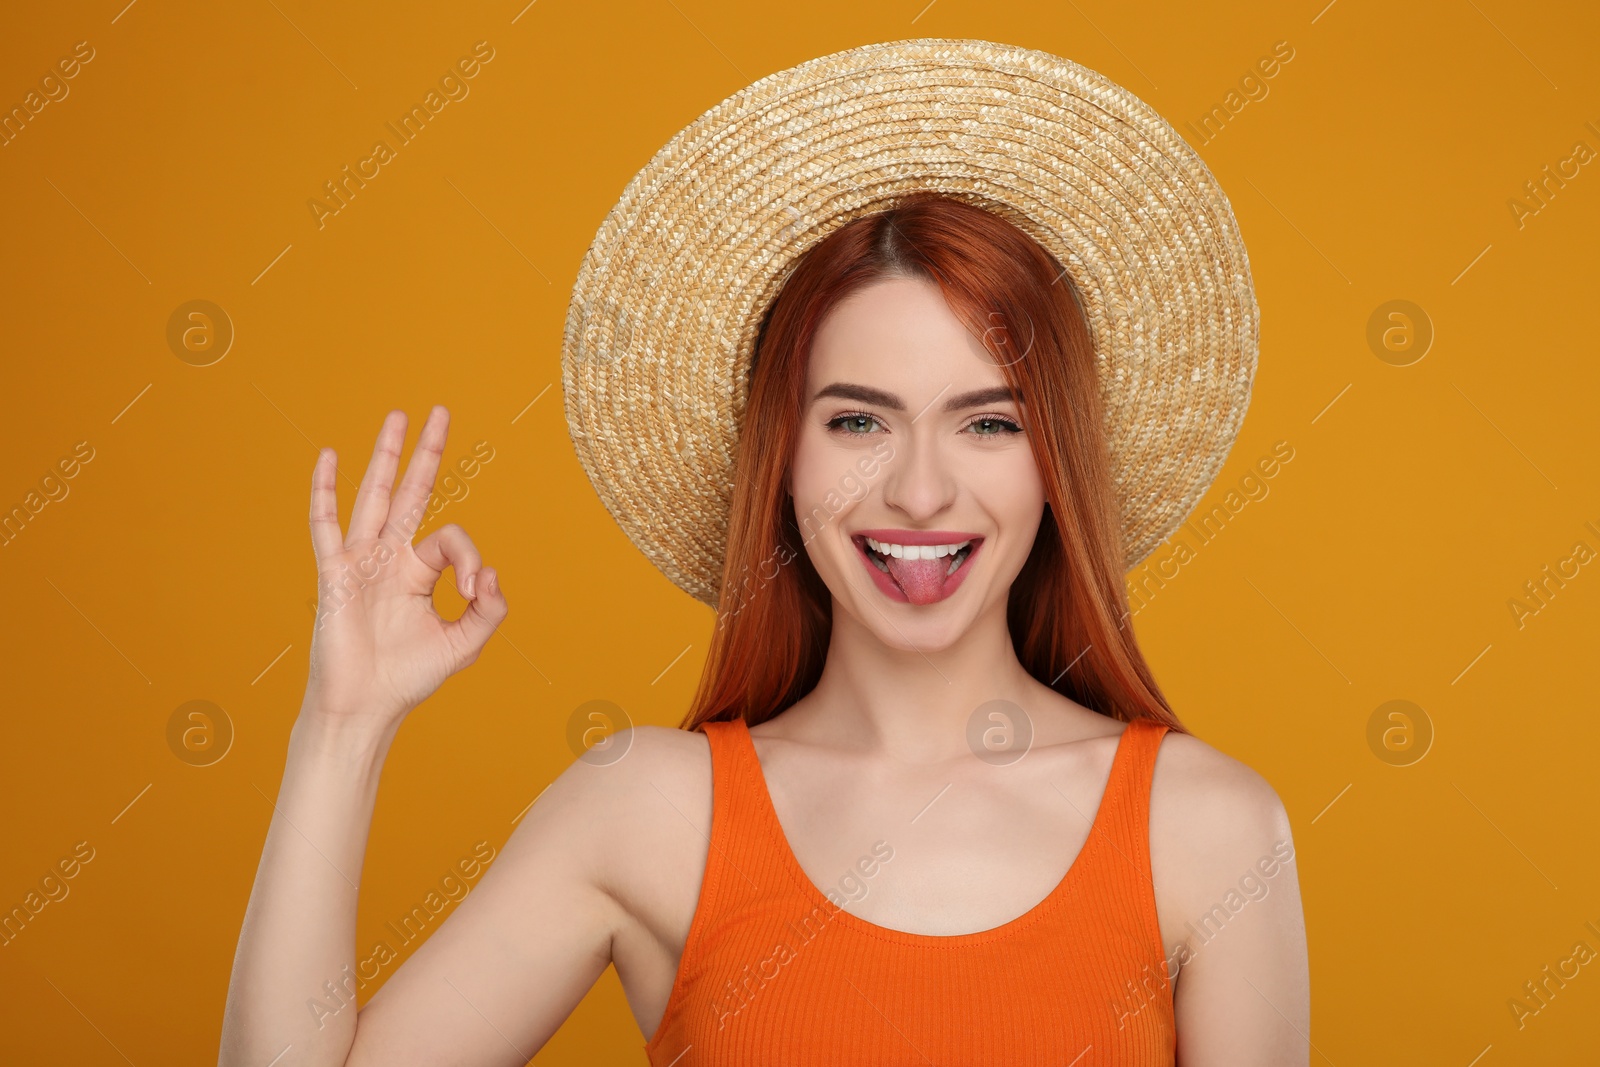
(483, 616)
(326, 538)
(372, 500)
(411, 499)
(449, 546)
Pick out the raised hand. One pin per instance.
(380, 648)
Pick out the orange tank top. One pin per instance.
(775, 972)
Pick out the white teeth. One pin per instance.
(915, 551)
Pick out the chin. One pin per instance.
(922, 631)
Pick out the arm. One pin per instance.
(1225, 865)
(379, 649)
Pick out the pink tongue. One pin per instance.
(922, 580)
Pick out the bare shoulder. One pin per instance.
(617, 775)
(636, 798)
(1196, 783)
(1213, 821)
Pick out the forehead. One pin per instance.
(899, 331)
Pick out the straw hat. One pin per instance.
(670, 296)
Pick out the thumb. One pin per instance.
(484, 614)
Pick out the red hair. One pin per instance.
(1068, 607)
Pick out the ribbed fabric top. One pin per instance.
(775, 971)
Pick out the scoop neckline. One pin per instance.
(818, 898)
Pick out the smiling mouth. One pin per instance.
(922, 574)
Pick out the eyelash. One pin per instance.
(1010, 426)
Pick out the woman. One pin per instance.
(922, 705)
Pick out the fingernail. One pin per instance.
(494, 584)
(467, 586)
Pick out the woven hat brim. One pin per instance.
(670, 295)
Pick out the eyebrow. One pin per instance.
(866, 394)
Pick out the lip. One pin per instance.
(918, 537)
(886, 584)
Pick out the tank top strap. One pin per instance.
(743, 859)
(1127, 797)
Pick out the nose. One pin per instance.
(918, 479)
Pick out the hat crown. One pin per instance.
(670, 295)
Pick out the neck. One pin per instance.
(911, 699)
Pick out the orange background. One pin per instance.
(1379, 567)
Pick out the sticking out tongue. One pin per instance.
(921, 580)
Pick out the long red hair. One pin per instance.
(1068, 608)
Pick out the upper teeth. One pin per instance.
(916, 551)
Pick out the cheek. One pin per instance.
(1013, 493)
(821, 473)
